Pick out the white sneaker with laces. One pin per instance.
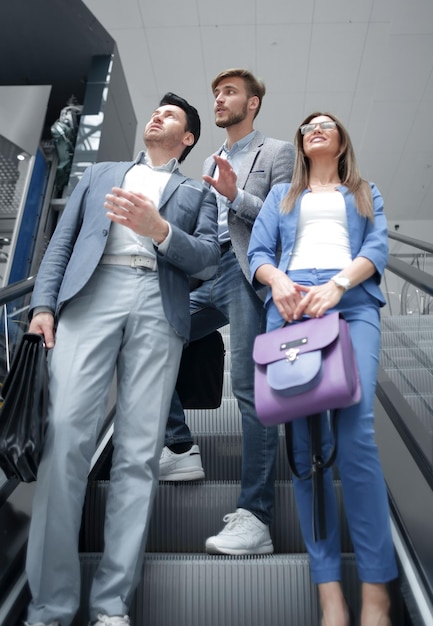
(243, 534)
(180, 467)
(111, 620)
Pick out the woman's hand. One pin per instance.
(318, 299)
(287, 295)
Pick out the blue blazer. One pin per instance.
(79, 240)
(273, 231)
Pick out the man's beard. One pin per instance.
(233, 118)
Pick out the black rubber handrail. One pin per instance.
(16, 290)
(412, 274)
(410, 241)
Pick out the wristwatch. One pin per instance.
(342, 281)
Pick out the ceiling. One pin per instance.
(370, 62)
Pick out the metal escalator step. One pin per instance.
(416, 323)
(185, 514)
(218, 432)
(227, 384)
(412, 380)
(221, 455)
(422, 405)
(203, 590)
(397, 358)
(226, 418)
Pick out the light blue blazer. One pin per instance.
(79, 240)
(273, 231)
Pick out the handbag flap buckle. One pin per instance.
(292, 354)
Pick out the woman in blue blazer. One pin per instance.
(321, 244)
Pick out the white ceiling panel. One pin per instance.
(428, 91)
(370, 62)
(419, 137)
(166, 14)
(409, 197)
(228, 46)
(226, 13)
(412, 17)
(116, 14)
(184, 72)
(371, 58)
(342, 11)
(382, 10)
(285, 49)
(406, 67)
(338, 103)
(280, 12)
(424, 208)
(137, 62)
(378, 166)
(335, 56)
(386, 129)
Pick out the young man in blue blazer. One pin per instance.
(112, 294)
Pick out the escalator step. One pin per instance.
(197, 590)
(185, 514)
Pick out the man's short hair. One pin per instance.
(193, 124)
(253, 86)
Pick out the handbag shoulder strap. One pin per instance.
(318, 465)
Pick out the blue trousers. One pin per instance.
(115, 324)
(229, 298)
(363, 484)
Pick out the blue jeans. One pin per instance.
(229, 298)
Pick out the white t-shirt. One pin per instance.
(322, 239)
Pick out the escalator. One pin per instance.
(181, 585)
(405, 437)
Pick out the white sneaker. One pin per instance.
(113, 620)
(178, 467)
(244, 533)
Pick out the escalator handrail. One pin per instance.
(16, 290)
(402, 416)
(410, 241)
(412, 274)
(418, 277)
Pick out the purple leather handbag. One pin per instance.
(305, 368)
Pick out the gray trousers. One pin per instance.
(116, 323)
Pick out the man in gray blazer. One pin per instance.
(241, 174)
(112, 293)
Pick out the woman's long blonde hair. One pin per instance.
(347, 170)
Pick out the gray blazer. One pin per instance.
(79, 241)
(268, 161)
